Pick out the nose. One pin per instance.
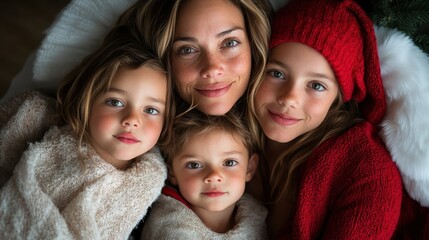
(211, 65)
(288, 95)
(213, 176)
(131, 119)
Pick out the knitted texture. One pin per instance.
(349, 188)
(344, 35)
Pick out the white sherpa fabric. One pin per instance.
(23, 119)
(78, 30)
(171, 219)
(405, 128)
(61, 191)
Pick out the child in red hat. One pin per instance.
(326, 173)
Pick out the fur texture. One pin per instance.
(55, 189)
(171, 219)
(405, 72)
(61, 191)
(23, 119)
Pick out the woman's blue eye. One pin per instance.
(193, 165)
(186, 50)
(114, 103)
(151, 111)
(230, 163)
(231, 43)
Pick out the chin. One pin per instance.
(215, 111)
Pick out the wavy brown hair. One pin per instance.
(155, 20)
(121, 48)
(340, 117)
(194, 122)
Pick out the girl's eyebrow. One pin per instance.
(219, 35)
(311, 74)
(115, 90)
(120, 91)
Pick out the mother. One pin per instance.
(216, 49)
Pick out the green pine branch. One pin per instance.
(408, 16)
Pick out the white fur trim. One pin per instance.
(405, 128)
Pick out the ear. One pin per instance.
(171, 178)
(252, 166)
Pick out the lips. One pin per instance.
(215, 90)
(213, 194)
(283, 119)
(127, 138)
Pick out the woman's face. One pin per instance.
(211, 55)
(297, 92)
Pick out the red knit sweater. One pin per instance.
(349, 189)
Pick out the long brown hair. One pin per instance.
(155, 20)
(121, 48)
(339, 118)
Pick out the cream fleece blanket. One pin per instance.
(171, 219)
(23, 119)
(58, 191)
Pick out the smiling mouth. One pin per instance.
(215, 92)
(283, 120)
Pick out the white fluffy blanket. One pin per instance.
(23, 119)
(171, 219)
(405, 128)
(61, 191)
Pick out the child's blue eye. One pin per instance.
(114, 103)
(151, 111)
(317, 86)
(276, 74)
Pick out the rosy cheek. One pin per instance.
(103, 123)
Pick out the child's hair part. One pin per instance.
(121, 49)
(194, 122)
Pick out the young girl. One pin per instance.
(95, 177)
(210, 161)
(326, 174)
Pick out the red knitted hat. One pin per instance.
(344, 35)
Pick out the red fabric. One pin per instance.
(349, 189)
(344, 35)
(171, 192)
(414, 220)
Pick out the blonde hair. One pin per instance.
(155, 20)
(121, 48)
(339, 118)
(194, 122)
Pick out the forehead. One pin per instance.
(207, 14)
